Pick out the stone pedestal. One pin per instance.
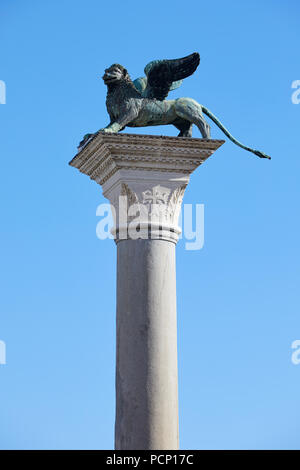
(144, 177)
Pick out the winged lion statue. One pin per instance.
(142, 102)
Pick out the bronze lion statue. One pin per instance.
(142, 102)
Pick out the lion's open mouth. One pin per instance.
(109, 77)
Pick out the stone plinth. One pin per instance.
(144, 177)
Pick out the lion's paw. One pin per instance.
(106, 130)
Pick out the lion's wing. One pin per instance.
(141, 85)
(165, 75)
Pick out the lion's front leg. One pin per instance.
(128, 113)
(111, 128)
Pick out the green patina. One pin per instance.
(142, 103)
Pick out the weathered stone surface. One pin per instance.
(151, 172)
(105, 154)
(146, 372)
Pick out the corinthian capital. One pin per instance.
(144, 178)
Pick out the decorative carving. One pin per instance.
(157, 206)
(156, 200)
(150, 173)
(175, 202)
(131, 195)
(107, 153)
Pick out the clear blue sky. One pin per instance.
(238, 297)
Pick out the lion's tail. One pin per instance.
(227, 133)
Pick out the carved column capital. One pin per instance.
(147, 207)
(144, 177)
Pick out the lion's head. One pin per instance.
(115, 73)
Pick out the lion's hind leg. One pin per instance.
(189, 110)
(184, 126)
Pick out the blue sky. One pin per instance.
(238, 297)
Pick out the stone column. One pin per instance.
(144, 177)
